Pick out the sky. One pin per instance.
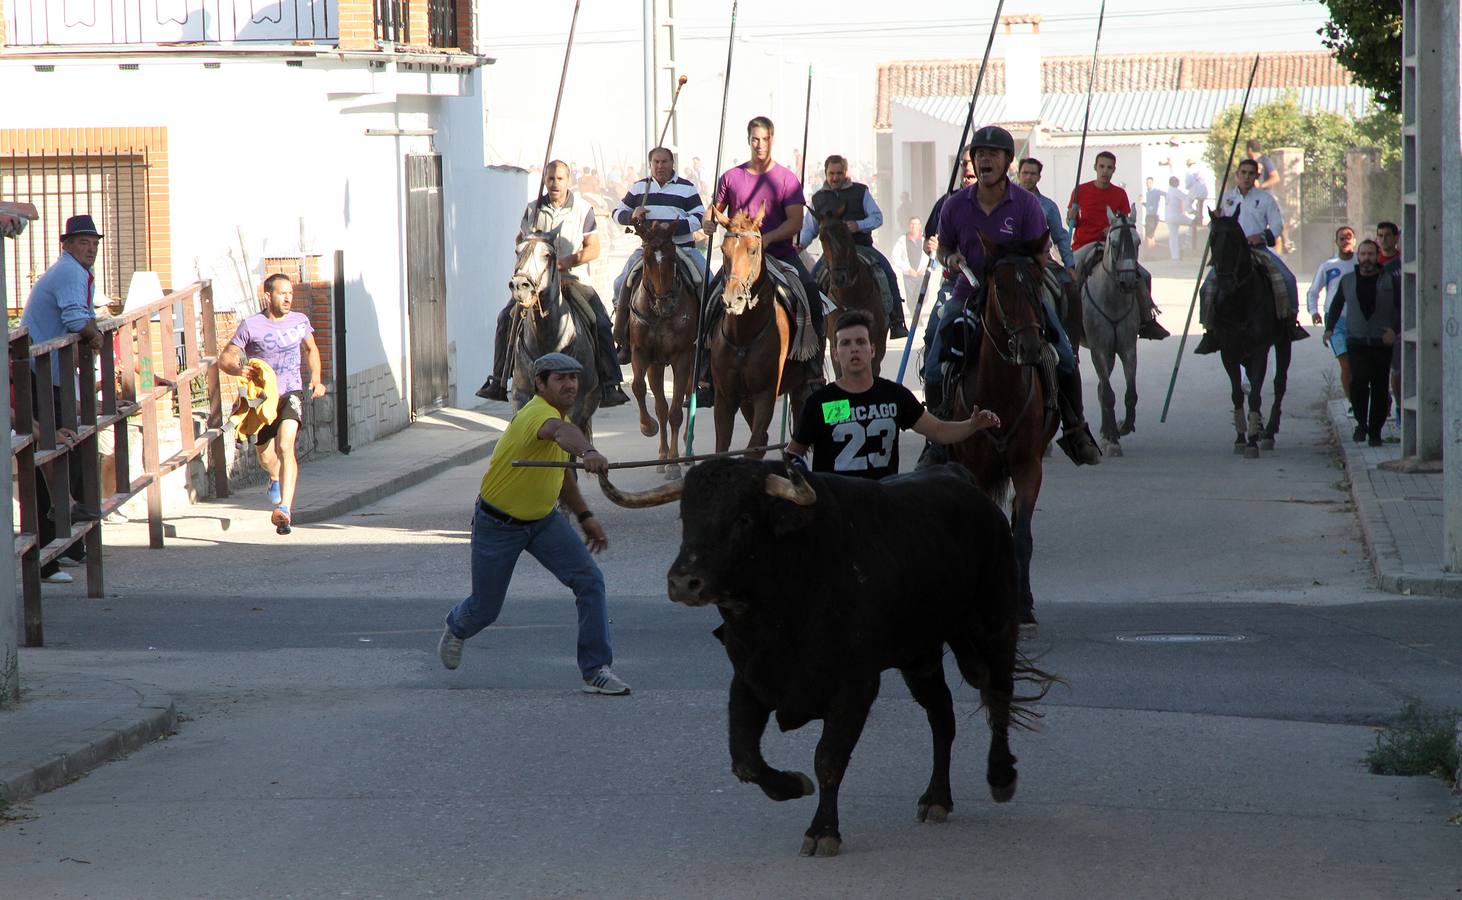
(843, 41)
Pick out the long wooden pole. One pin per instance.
(643, 463)
(1071, 208)
(557, 105)
(953, 179)
(812, 302)
(695, 372)
(1208, 244)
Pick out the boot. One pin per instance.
(1209, 344)
(934, 396)
(897, 328)
(612, 395)
(1076, 440)
(493, 389)
(621, 325)
(1150, 329)
(1296, 333)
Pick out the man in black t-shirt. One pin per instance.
(852, 425)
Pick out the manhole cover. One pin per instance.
(1181, 637)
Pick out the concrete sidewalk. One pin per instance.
(1400, 513)
(68, 723)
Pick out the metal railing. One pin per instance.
(441, 23)
(37, 23)
(393, 23)
(58, 422)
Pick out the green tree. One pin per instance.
(1366, 38)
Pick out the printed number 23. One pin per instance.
(852, 458)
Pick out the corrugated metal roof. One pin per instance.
(1135, 112)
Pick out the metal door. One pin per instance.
(426, 300)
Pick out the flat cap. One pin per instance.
(555, 362)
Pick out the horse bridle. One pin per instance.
(541, 283)
(750, 288)
(1021, 276)
(1125, 243)
(833, 270)
(658, 302)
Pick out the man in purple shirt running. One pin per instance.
(1005, 213)
(761, 185)
(277, 336)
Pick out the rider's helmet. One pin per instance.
(995, 137)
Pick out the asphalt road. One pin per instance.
(326, 751)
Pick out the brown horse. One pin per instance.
(1008, 381)
(664, 318)
(748, 347)
(851, 282)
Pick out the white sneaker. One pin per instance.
(449, 648)
(58, 577)
(605, 682)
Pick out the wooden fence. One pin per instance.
(60, 412)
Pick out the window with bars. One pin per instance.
(110, 186)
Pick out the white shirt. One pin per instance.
(1327, 277)
(901, 261)
(1257, 211)
(1177, 206)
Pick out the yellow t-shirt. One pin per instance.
(525, 493)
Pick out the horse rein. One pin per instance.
(1125, 239)
(540, 284)
(999, 304)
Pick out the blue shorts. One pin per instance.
(1337, 339)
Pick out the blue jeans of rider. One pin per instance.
(1055, 332)
(933, 343)
(552, 541)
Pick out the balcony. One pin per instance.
(42, 23)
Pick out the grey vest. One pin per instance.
(1357, 326)
(852, 197)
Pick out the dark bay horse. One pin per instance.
(1113, 301)
(748, 347)
(1244, 323)
(664, 318)
(545, 322)
(1007, 380)
(851, 282)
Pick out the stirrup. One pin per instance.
(1078, 444)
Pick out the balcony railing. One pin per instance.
(35, 23)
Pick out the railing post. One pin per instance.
(85, 454)
(217, 457)
(125, 406)
(150, 459)
(25, 468)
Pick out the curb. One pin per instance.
(406, 480)
(113, 740)
(1390, 570)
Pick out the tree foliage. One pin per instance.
(1366, 38)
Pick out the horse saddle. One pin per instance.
(583, 302)
(1093, 259)
(873, 260)
(793, 300)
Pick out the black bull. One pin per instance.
(824, 583)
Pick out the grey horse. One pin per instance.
(546, 322)
(1114, 295)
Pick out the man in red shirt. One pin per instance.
(1087, 216)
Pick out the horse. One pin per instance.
(546, 322)
(1007, 380)
(851, 282)
(749, 346)
(1113, 302)
(1244, 324)
(664, 319)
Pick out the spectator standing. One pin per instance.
(910, 259)
(1369, 299)
(1327, 279)
(1197, 187)
(1177, 201)
(1152, 201)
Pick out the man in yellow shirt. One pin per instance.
(516, 512)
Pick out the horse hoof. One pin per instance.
(1127, 429)
(660, 469)
(1112, 449)
(649, 429)
(1240, 448)
(1266, 444)
(1251, 453)
(826, 845)
(808, 788)
(1004, 793)
(932, 813)
(672, 472)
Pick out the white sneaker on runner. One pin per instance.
(604, 681)
(58, 577)
(449, 648)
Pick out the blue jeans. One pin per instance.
(933, 341)
(552, 541)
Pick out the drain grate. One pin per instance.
(1180, 637)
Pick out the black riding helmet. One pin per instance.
(994, 137)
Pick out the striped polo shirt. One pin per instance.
(676, 199)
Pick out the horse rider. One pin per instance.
(1028, 171)
(1088, 216)
(1004, 212)
(662, 196)
(931, 367)
(1262, 222)
(759, 186)
(568, 219)
(863, 216)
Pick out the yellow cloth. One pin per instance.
(258, 400)
(525, 493)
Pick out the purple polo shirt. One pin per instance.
(739, 190)
(1018, 217)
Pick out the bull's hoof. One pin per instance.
(783, 786)
(672, 472)
(1266, 444)
(1251, 453)
(932, 813)
(1004, 793)
(1127, 428)
(1112, 449)
(808, 788)
(649, 429)
(827, 845)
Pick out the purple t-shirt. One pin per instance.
(277, 342)
(775, 189)
(1018, 217)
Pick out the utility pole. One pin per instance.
(648, 24)
(661, 77)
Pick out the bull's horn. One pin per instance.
(658, 496)
(795, 489)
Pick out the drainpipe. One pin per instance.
(342, 394)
